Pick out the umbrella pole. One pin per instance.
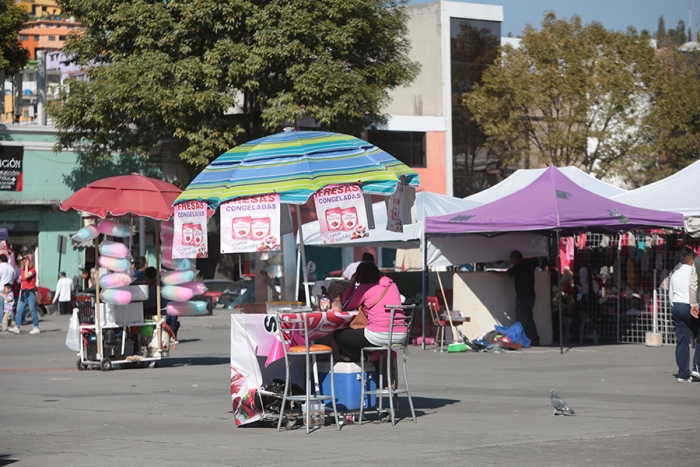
(561, 324)
(424, 287)
(98, 324)
(303, 257)
(160, 329)
(296, 279)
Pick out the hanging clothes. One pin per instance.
(631, 273)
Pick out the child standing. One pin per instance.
(8, 307)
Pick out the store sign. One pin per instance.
(251, 224)
(20, 226)
(190, 236)
(11, 162)
(341, 213)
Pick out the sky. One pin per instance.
(614, 14)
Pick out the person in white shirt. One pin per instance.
(352, 267)
(684, 323)
(7, 274)
(64, 293)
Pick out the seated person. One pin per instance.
(140, 265)
(372, 284)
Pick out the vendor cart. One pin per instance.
(116, 334)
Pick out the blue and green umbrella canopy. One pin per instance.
(296, 164)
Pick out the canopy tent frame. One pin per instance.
(562, 207)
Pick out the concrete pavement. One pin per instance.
(473, 409)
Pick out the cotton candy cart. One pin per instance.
(113, 331)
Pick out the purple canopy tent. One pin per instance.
(552, 203)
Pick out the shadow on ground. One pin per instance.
(5, 459)
(193, 361)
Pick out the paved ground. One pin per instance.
(474, 409)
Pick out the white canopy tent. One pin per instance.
(426, 204)
(523, 177)
(676, 193)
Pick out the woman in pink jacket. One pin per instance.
(372, 284)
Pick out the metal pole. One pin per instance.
(98, 324)
(296, 293)
(142, 232)
(619, 288)
(160, 329)
(561, 319)
(303, 256)
(424, 286)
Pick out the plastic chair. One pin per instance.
(392, 387)
(434, 308)
(288, 326)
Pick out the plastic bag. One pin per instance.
(515, 334)
(73, 336)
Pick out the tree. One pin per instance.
(568, 95)
(206, 75)
(673, 128)
(677, 36)
(13, 57)
(661, 32)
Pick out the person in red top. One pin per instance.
(27, 297)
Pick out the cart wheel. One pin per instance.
(80, 365)
(106, 364)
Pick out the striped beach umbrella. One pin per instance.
(296, 164)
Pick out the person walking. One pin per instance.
(64, 294)
(685, 324)
(523, 273)
(27, 297)
(8, 306)
(7, 274)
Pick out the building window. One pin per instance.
(61, 38)
(406, 146)
(23, 37)
(52, 38)
(474, 46)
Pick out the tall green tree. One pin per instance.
(660, 35)
(13, 57)
(677, 36)
(206, 75)
(672, 130)
(570, 94)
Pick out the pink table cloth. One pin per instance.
(254, 336)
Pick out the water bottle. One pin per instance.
(325, 302)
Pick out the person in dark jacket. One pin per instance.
(523, 273)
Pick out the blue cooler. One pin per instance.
(347, 385)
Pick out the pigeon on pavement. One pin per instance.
(560, 407)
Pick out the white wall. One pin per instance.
(424, 95)
(488, 299)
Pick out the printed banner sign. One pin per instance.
(341, 213)
(251, 224)
(11, 160)
(394, 210)
(190, 236)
